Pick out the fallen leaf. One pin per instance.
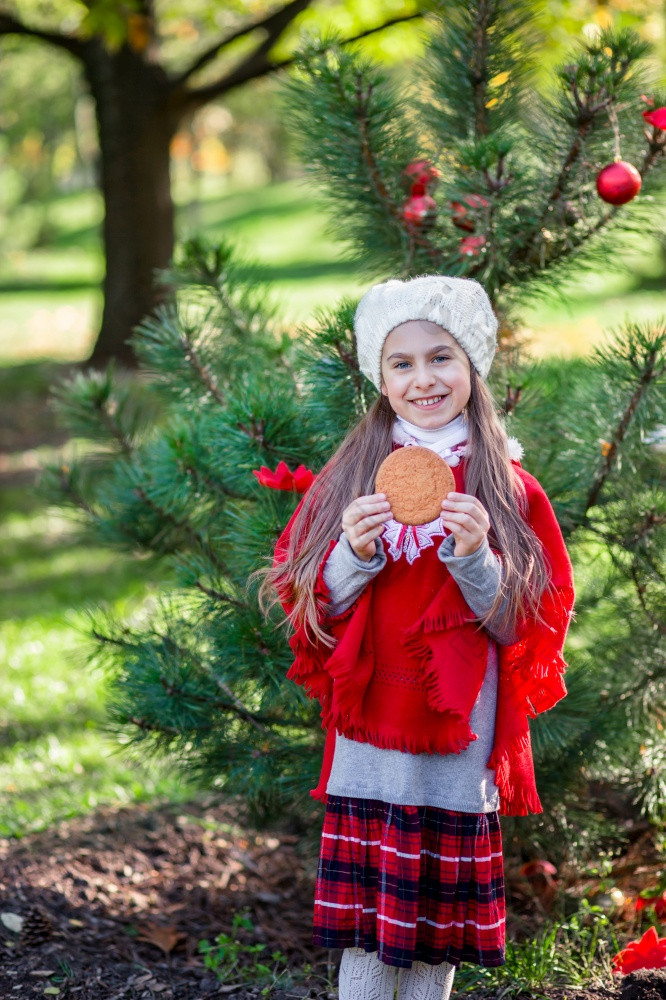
(165, 938)
(52, 991)
(12, 921)
(43, 972)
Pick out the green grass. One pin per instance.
(55, 759)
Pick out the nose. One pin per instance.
(424, 377)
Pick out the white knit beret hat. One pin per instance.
(459, 305)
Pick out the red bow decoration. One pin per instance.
(648, 953)
(299, 480)
(656, 117)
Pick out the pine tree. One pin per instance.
(201, 676)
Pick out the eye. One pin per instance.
(399, 364)
(441, 357)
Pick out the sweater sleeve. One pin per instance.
(346, 576)
(479, 577)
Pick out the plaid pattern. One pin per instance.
(414, 883)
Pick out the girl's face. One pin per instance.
(425, 374)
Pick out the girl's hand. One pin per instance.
(466, 518)
(363, 521)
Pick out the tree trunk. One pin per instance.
(136, 124)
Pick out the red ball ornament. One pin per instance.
(419, 210)
(618, 183)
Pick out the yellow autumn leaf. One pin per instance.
(492, 102)
(138, 32)
(603, 17)
(499, 79)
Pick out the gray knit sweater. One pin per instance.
(460, 782)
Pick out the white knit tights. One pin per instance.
(364, 977)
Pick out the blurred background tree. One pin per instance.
(148, 69)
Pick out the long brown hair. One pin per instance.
(351, 473)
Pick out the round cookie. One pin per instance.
(415, 481)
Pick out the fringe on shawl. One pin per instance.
(447, 629)
(530, 682)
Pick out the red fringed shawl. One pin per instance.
(410, 659)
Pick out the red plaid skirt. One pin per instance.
(414, 883)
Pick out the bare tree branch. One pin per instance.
(9, 25)
(274, 24)
(257, 65)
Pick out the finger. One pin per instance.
(453, 495)
(369, 535)
(477, 514)
(361, 508)
(358, 527)
(466, 518)
(464, 503)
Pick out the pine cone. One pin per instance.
(37, 928)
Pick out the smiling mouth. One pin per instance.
(431, 401)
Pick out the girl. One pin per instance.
(428, 648)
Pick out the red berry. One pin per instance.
(419, 210)
(460, 215)
(421, 172)
(471, 246)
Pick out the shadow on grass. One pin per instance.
(299, 271)
(57, 594)
(33, 730)
(36, 378)
(649, 283)
(34, 285)
(210, 215)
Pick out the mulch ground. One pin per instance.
(114, 905)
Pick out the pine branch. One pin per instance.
(10, 25)
(66, 483)
(363, 119)
(648, 375)
(183, 525)
(590, 96)
(351, 364)
(234, 704)
(511, 398)
(218, 595)
(201, 370)
(114, 428)
(151, 727)
(201, 480)
(112, 640)
(641, 588)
